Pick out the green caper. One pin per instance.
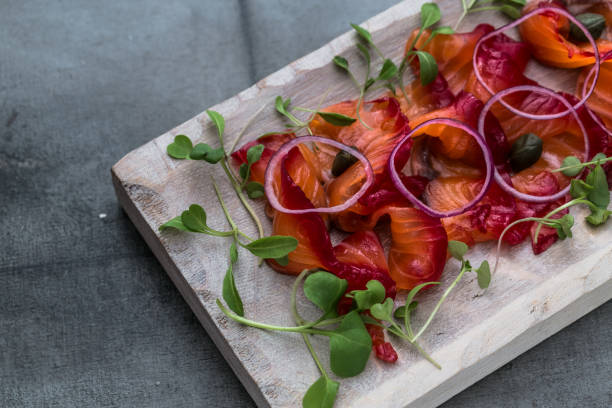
(342, 161)
(525, 151)
(594, 23)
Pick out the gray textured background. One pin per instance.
(87, 315)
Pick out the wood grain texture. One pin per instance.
(475, 333)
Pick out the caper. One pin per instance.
(342, 161)
(594, 23)
(525, 151)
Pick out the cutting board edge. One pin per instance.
(186, 291)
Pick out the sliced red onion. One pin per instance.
(488, 157)
(596, 118)
(518, 22)
(531, 88)
(275, 160)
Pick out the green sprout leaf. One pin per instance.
(181, 148)
(195, 219)
(598, 157)
(363, 33)
(219, 123)
(281, 105)
(457, 249)
(368, 84)
(484, 274)
(233, 253)
(283, 260)
(254, 153)
(598, 216)
(511, 11)
(579, 188)
(400, 312)
(254, 189)
(349, 346)
(428, 67)
(388, 70)
(565, 224)
(430, 15)
(321, 394)
(365, 52)
(244, 171)
(383, 311)
(275, 246)
(336, 119)
(203, 151)
(574, 163)
(600, 195)
(230, 292)
(442, 30)
(175, 223)
(373, 294)
(341, 62)
(325, 290)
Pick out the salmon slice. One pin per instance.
(453, 53)
(547, 36)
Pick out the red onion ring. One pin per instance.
(584, 86)
(518, 22)
(284, 149)
(531, 88)
(488, 157)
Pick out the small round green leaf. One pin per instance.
(574, 166)
(457, 249)
(195, 218)
(254, 189)
(373, 294)
(200, 151)
(321, 394)
(600, 195)
(325, 290)
(484, 274)
(254, 153)
(383, 311)
(181, 147)
(244, 171)
(349, 346)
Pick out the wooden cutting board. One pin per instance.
(530, 297)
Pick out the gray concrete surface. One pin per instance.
(87, 316)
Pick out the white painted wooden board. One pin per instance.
(531, 297)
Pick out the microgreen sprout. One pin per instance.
(390, 74)
(283, 106)
(592, 192)
(511, 8)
